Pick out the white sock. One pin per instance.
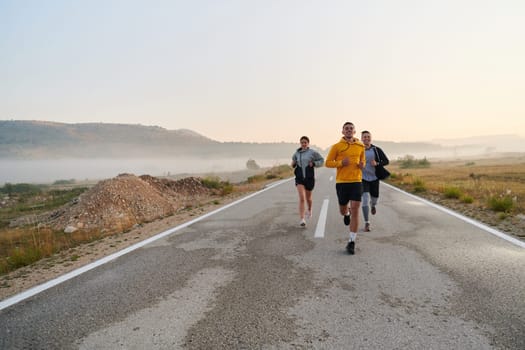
(353, 235)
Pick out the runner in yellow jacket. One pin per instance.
(348, 157)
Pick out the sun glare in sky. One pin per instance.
(266, 71)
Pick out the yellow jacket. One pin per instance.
(355, 151)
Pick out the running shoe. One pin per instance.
(308, 214)
(373, 210)
(346, 220)
(302, 223)
(367, 227)
(350, 248)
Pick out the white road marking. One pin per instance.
(464, 218)
(321, 222)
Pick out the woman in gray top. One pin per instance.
(304, 160)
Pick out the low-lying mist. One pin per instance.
(51, 170)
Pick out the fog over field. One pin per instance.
(50, 170)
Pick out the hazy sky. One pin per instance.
(264, 71)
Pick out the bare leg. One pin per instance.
(343, 209)
(309, 200)
(302, 199)
(354, 213)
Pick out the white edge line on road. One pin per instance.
(464, 218)
(42, 287)
(321, 222)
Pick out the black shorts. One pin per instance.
(372, 187)
(308, 183)
(349, 191)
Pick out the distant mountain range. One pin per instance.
(43, 140)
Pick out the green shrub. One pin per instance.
(4, 266)
(23, 257)
(419, 186)
(466, 199)
(226, 188)
(423, 163)
(213, 182)
(410, 162)
(452, 192)
(502, 216)
(256, 178)
(279, 171)
(501, 204)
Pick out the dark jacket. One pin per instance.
(381, 157)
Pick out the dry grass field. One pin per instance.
(490, 190)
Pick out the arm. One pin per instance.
(331, 161)
(318, 160)
(362, 160)
(383, 159)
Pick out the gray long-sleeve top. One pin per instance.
(303, 157)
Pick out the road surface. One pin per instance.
(248, 277)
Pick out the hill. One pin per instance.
(47, 140)
(21, 139)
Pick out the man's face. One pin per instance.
(348, 130)
(366, 138)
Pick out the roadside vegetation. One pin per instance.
(490, 190)
(23, 245)
(409, 162)
(21, 199)
(32, 242)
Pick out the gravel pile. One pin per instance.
(120, 203)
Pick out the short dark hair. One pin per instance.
(345, 124)
(366, 132)
(304, 138)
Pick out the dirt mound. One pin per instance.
(182, 189)
(118, 204)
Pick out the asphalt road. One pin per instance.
(248, 277)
